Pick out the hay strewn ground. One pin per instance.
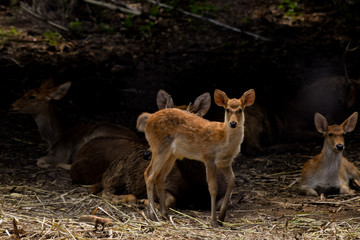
(43, 204)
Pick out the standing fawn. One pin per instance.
(175, 134)
(330, 172)
(122, 159)
(62, 143)
(94, 158)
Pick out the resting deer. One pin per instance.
(175, 134)
(62, 144)
(330, 172)
(95, 157)
(123, 159)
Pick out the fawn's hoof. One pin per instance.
(41, 162)
(214, 224)
(152, 215)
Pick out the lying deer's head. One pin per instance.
(37, 100)
(334, 134)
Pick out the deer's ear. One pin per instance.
(349, 124)
(164, 100)
(321, 123)
(220, 98)
(248, 98)
(60, 91)
(47, 84)
(202, 104)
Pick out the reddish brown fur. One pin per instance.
(174, 134)
(329, 171)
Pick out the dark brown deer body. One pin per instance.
(62, 144)
(330, 172)
(123, 180)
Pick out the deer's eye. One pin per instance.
(227, 110)
(330, 134)
(31, 97)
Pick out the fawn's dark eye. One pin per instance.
(31, 97)
(330, 134)
(227, 110)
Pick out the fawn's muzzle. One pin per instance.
(340, 147)
(233, 124)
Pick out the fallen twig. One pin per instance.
(343, 202)
(23, 6)
(16, 230)
(96, 221)
(110, 6)
(254, 35)
(188, 216)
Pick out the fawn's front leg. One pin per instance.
(347, 172)
(213, 187)
(230, 178)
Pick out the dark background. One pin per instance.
(117, 68)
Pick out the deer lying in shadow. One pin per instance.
(95, 157)
(125, 164)
(62, 143)
(330, 172)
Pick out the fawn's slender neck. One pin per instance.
(331, 159)
(234, 137)
(48, 125)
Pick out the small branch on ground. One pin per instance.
(254, 35)
(24, 7)
(110, 6)
(96, 220)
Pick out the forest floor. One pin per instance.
(118, 74)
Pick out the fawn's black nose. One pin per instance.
(233, 124)
(339, 147)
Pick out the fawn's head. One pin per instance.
(234, 108)
(334, 134)
(38, 99)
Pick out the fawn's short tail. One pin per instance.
(141, 121)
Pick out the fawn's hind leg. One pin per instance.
(152, 174)
(160, 182)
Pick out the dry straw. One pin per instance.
(33, 213)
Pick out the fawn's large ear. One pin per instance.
(349, 124)
(248, 98)
(202, 104)
(164, 100)
(321, 123)
(60, 91)
(47, 84)
(220, 98)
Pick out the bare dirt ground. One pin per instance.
(116, 76)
